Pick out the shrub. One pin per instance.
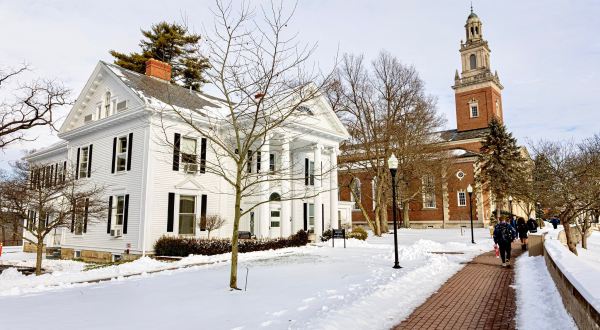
(182, 246)
(326, 235)
(358, 233)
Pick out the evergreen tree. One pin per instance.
(500, 162)
(171, 43)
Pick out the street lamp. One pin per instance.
(393, 166)
(510, 199)
(470, 191)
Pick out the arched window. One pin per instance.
(275, 197)
(473, 61)
(476, 30)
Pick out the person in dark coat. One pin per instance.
(513, 222)
(532, 225)
(504, 234)
(522, 230)
(554, 222)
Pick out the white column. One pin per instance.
(264, 210)
(333, 189)
(286, 190)
(317, 191)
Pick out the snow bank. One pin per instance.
(583, 275)
(539, 305)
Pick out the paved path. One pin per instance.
(477, 297)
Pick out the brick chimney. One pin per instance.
(158, 69)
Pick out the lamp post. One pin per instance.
(393, 166)
(510, 199)
(470, 192)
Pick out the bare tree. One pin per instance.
(32, 105)
(49, 197)
(574, 178)
(260, 72)
(213, 222)
(386, 111)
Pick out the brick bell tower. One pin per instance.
(477, 90)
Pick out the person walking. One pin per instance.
(522, 229)
(504, 234)
(532, 225)
(554, 222)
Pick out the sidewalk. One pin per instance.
(477, 297)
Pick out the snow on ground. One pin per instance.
(312, 287)
(539, 305)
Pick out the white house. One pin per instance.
(114, 136)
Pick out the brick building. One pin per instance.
(478, 99)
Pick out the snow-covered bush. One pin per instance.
(182, 246)
(359, 233)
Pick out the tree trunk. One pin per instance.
(405, 216)
(38, 257)
(208, 234)
(384, 219)
(567, 228)
(584, 240)
(234, 239)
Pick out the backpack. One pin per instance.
(532, 226)
(506, 233)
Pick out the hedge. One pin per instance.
(183, 247)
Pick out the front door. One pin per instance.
(275, 224)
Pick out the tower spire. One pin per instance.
(471, 7)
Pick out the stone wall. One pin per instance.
(584, 315)
(95, 256)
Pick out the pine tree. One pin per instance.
(500, 162)
(171, 43)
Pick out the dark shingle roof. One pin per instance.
(170, 94)
(455, 135)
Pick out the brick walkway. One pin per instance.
(477, 297)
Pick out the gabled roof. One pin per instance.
(155, 91)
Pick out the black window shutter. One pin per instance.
(249, 162)
(176, 143)
(85, 215)
(305, 217)
(89, 171)
(258, 160)
(47, 219)
(110, 199)
(77, 165)
(51, 175)
(64, 171)
(125, 214)
(171, 210)
(73, 217)
(203, 155)
(114, 155)
(56, 173)
(306, 171)
(129, 147)
(322, 216)
(203, 206)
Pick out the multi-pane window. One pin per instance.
(119, 212)
(462, 198)
(107, 104)
(187, 214)
(428, 182)
(355, 194)
(84, 155)
(311, 216)
(188, 151)
(121, 155)
(474, 111)
(311, 173)
(275, 218)
(272, 163)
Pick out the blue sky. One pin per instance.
(547, 53)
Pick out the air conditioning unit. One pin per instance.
(118, 232)
(190, 168)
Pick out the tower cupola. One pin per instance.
(473, 28)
